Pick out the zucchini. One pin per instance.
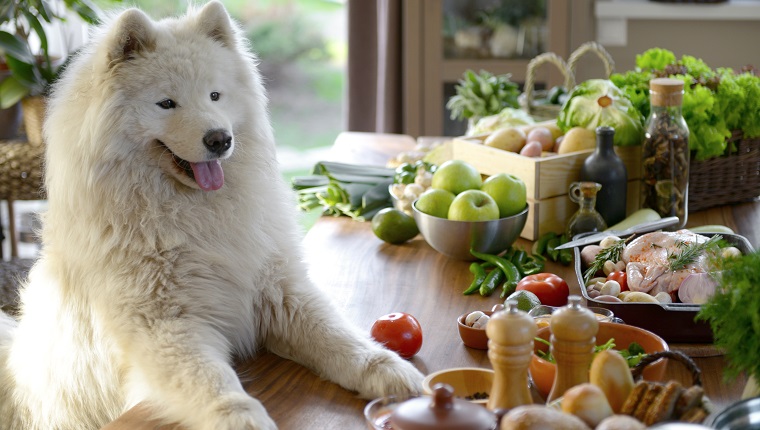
(639, 217)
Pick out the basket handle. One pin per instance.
(596, 48)
(696, 374)
(530, 78)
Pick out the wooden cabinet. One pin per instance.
(433, 62)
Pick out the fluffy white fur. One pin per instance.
(147, 285)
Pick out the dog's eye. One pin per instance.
(215, 96)
(167, 104)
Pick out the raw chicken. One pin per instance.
(647, 261)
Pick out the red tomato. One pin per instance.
(621, 278)
(399, 332)
(550, 288)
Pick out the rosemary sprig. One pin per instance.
(612, 253)
(690, 252)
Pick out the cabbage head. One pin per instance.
(598, 102)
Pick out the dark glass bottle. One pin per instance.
(665, 164)
(604, 166)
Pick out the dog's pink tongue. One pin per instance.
(208, 175)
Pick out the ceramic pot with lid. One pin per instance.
(442, 411)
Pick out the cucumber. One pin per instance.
(712, 229)
(636, 218)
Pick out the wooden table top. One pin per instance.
(367, 278)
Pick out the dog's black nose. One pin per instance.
(217, 141)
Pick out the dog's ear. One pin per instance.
(132, 33)
(214, 21)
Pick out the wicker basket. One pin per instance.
(541, 112)
(666, 403)
(551, 111)
(592, 48)
(731, 178)
(33, 110)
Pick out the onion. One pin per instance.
(697, 288)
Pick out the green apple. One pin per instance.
(473, 205)
(456, 176)
(508, 191)
(435, 202)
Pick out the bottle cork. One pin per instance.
(666, 92)
(573, 338)
(510, 348)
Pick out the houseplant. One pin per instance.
(24, 41)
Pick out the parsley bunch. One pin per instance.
(733, 314)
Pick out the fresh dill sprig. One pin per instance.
(690, 252)
(611, 253)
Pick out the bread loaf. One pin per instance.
(610, 372)
(587, 402)
(537, 417)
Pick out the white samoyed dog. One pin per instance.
(170, 243)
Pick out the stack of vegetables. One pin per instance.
(345, 189)
(715, 103)
(487, 101)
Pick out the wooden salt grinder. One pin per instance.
(510, 348)
(574, 329)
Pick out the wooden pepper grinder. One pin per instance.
(510, 348)
(574, 329)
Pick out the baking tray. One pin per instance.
(673, 322)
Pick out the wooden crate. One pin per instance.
(552, 214)
(547, 179)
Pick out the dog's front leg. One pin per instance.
(181, 368)
(310, 330)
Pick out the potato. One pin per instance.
(577, 139)
(558, 143)
(542, 135)
(638, 297)
(532, 149)
(509, 139)
(588, 254)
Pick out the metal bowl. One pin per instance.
(739, 416)
(455, 238)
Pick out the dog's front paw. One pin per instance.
(387, 373)
(238, 412)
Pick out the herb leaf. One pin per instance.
(612, 253)
(733, 314)
(691, 252)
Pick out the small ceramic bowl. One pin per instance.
(378, 412)
(542, 372)
(467, 382)
(473, 337)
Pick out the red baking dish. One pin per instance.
(673, 322)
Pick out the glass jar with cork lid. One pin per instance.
(665, 152)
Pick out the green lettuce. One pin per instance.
(598, 102)
(654, 59)
(715, 101)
